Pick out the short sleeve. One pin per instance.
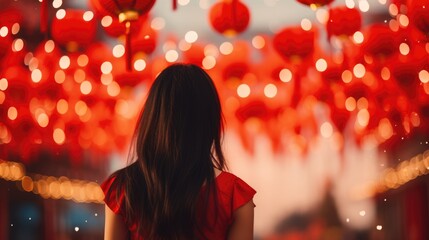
(242, 193)
(110, 198)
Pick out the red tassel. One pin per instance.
(174, 4)
(44, 16)
(128, 50)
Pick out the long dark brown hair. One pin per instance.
(177, 145)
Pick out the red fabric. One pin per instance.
(232, 194)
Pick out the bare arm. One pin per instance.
(114, 226)
(242, 227)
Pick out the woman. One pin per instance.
(176, 187)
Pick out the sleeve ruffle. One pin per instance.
(110, 198)
(242, 194)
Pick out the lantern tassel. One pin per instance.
(44, 16)
(174, 5)
(128, 50)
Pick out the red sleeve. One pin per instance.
(110, 199)
(242, 193)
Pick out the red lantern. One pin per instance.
(380, 41)
(74, 30)
(294, 44)
(145, 40)
(117, 29)
(229, 17)
(419, 14)
(127, 11)
(315, 3)
(343, 21)
(195, 54)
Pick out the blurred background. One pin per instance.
(326, 105)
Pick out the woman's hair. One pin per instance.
(177, 145)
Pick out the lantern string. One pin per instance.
(128, 49)
(44, 16)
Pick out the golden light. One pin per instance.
(57, 3)
(347, 76)
(113, 89)
(243, 90)
(359, 70)
(209, 62)
(350, 3)
(3, 84)
(321, 65)
(42, 119)
(393, 10)
(393, 25)
(106, 79)
(106, 67)
(184, 45)
(80, 108)
(171, 55)
(364, 5)
(27, 184)
(17, 45)
(106, 21)
(306, 24)
(350, 104)
(64, 62)
(86, 87)
(362, 118)
(403, 20)
(385, 129)
(49, 46)
(60, 76)
(82, 60)
(4, 31)
(270, 90)
(118, 50)
(285, 75)
(12, 113)
(88, 16)
(358, 37)
(139, 65)
(211, 50)
(362, 103)
(59, 136)
(404, 49)
(157, 23)
(15, 28)
(258, 42)
(61, 13)
(191, 36)
(423, 76)
(322, 15)
(326, 130)
(226, 48)
(36, 75)
(79, 75)
(385, 73)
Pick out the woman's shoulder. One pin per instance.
(235, 189)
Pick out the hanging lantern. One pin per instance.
(419, 14)
(127, 11)
(75, 30)
(294, 44)
(195, 54)
(118, 29)
(229, 17)
(314, 4)
(380, 42)
(343, 21)
(145, 40)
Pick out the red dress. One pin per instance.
(232, 194)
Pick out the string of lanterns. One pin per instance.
(73, 93)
